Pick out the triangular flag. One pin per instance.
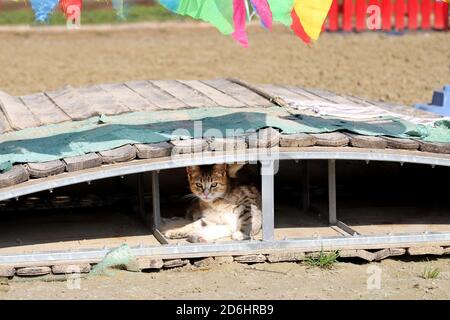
(42, 8)
(312, 15)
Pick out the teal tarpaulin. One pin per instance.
(58, 141)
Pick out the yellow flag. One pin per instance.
(312, 14)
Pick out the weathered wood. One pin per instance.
(405, 144)
(205, 262)
(227, 144)
(18, 115)
(416, 251)
(264, 138)
(149, 263)
(71, 268)
(217, 96)
(45, 169)
(155, 96)
(121, 154)
(297, 140)
(397, 251)
(435, 147)
(102, 101)
(7, 271)
(447, 250)
(251, 258)
(16, 175)
(33, 271)
(307, 95)
(382, 254)
(370, 142)
(129, 98)
(348, 253)
(72, 103)
(224, 259)
(238, 92)
(44, 109)
(365, 255)
(282, 92)
(330, 96)
(333, 139)
(182, 92)
(175, 263)
(189, 146)
(4, 123)
(153, 150)
(286, 257)
(86, 161)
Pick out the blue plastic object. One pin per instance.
(440, 103)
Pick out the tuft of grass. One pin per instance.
(431, 273)
(134, 13)
(324, 260)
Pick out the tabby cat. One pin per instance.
(223, 206)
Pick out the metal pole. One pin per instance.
(141, 200)
(305, 186)
(155, 196)
(332, 192)
(268, 211)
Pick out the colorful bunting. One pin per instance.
(43, 8)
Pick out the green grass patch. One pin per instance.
(135, 13)
(431, 273)
(324, 260)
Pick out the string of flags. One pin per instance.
(230, 17)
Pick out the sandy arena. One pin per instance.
(402, 69)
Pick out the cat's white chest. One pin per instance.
(221, 214)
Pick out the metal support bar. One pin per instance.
(332, 219)
(346, 228)
(268, 203)
(155, 197)
(305, 186)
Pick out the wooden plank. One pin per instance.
(71, 268)
(238, 92)
(286, 257)
(330, 96)
(45, 169)
(7, 271)
(102, 101)
(251, 258)
(155, 96)
(16, 175)
(297, 140)
(149, 263)
(227, 144)
(360, 10)
(217, 96)
(416, 251)
(18, 115)
(283, 92)
(129, 98)
(182, 92)
(4, 123)
(333, 139)
(370, 142)
(86, 161)
(435, 147)
(72, 103)
(33, 271)
(425, 12)
(413, 13)
(44, 109)
(175, 263)
(308, 95)
(153, 150)
(121, 154)
(405, 144)
(333, 17)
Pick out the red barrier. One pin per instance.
(440, 15)
(425, 12)
(347, 15)
(333, 16)
(386, 15)
(413, 14)
(400, 10)
(360, 11)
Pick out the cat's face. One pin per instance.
(208, 182)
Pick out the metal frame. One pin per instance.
(349, 240)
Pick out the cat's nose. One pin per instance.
(206, 193)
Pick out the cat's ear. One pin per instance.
(190, 170)
(221, 168)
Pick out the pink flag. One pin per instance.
(239, 17)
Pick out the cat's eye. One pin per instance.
(213, 185)
(199, 185)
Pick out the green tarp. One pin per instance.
(58, 141)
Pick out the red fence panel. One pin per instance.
(440, 15)
(347, 17)
(400, 10)
(360, 11)
(413, 13)
(386, 15)
(425, 14)
(333, 17)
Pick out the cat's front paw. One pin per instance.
(195, 238)
(174, 234)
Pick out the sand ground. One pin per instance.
(403, 69)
